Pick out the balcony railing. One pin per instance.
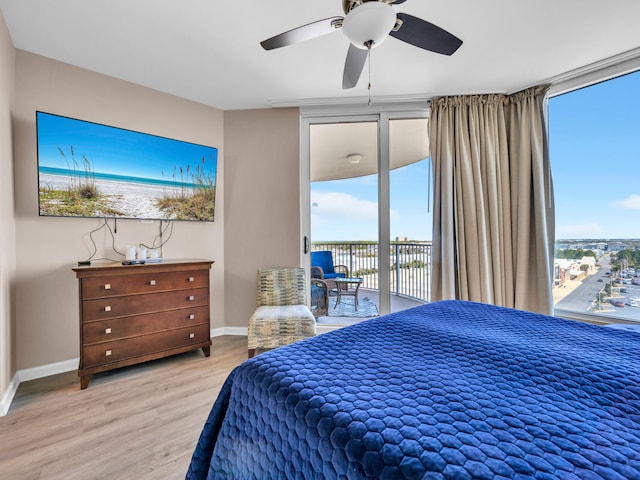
(410, 265)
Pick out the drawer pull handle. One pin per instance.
(191, 298)
(152, 282)
(192, 279)
(192, 335)
(192, 316)
(107, 286)
(107, 308)
(107, 330)
(108, 353)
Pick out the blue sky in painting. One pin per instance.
(117, 151)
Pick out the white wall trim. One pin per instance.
(47, 370)
(218, 332)
(32, 374)
(597, 72)
(7, 398)
(360, 103)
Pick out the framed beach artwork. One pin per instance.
(87, 169)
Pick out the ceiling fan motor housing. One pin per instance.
(369, 24)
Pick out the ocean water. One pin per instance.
(64, 172)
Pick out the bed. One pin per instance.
(448, 390)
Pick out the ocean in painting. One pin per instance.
(80, 174)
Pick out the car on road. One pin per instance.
(617, 303)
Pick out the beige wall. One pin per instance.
(47, 248)
(7, 225)
(257, 214)
(262, 202)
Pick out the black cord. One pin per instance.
(161, 234)
(95, 247)
(113, 238)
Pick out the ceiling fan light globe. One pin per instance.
(370, 22)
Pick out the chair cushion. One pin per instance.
(334, 275)
(272, 326)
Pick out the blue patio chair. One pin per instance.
(322, 267)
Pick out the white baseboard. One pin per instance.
(7, 398)
(33, 374)
(48, 370)
(218, 332)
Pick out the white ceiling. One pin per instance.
(330, 145)
(208, 50)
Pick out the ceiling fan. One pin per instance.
(367, 23)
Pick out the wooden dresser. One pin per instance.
(135, 313)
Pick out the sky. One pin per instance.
(594, 142)
(594, 147)
(118, 151)
(348, 209)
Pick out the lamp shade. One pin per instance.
(370, 22)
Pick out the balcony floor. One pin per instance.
(398, 303)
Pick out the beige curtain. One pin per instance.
(493, 222)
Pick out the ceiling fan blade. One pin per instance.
(305, 32)
(353, 65)
(426, 35)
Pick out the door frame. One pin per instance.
(381, 113)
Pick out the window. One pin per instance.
(594, 141)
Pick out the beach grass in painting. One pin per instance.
(111, 172)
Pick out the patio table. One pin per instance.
(343, 288)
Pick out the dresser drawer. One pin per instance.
(102, 308)
(123, 327)
(103, 353)
(109, 286)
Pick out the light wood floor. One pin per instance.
(139, 422)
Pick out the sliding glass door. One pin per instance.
(343, 166)
(365, 185)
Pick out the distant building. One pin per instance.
(564, 270)
(616, 247)
(590, 262)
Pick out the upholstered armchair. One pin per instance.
(322, 267)
(283, 315)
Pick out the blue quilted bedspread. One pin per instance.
(449, 390)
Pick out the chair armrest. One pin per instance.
(341, 267)
(317, 272)
(322, 284)
(319, 282)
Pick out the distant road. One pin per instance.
(582, 297)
